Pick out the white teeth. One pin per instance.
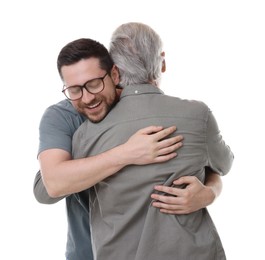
(95, 105)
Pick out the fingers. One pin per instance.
(159, 133)
(164, 158)
(174, 211)
(173, 208)
(169, 145)
(160, 149)
(164, 133)
(150, 130)
(185, 179)
(174, 191)
(170, 205)
(165, 199)
(187, 197)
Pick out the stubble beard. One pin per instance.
(99, 117)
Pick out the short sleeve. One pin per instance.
(57, 126)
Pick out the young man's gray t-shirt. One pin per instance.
(57, 126)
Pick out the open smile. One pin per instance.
(94, 105)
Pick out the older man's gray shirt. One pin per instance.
(124, 225)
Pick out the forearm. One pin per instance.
(63, 176)
(71, 176)
(213, 181)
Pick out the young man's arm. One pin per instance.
(41, 193)
(63, 176)
(220, 159)
(193, 197)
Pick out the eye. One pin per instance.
(74, 90)
(94, 84)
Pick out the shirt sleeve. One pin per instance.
(220, 156)
(54, 131)
(40, 192)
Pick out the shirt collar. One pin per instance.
(139, 89)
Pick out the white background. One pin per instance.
(214, 52)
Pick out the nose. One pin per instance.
(87, 96)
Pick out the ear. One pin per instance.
(115, 75)
(163, 68)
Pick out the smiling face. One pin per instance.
(94, 106)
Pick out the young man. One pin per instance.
(68, 178)
(123, 224)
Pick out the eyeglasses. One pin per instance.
(93, 86)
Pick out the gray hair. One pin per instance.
(136, 50)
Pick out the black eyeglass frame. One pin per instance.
(84, 87)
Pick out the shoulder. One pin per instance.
(57, 126)
(62, 107)
(61, 117)
(196, 105)
(188, 107)
(62, 110)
